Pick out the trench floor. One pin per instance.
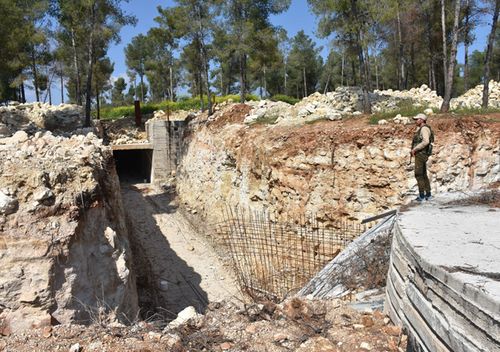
(177, 264)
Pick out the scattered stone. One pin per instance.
(367, 321)
(75, 348)
(19, 137)
(251, 329)
(155, 336)
(280, 337)
(365, 346)
(318, 344)
(8, 205)
(47, 331)
(185, 315)
(392, 330)
(43, 194)
(95, 346)
(225, 346)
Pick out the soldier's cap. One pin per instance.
(420, 116)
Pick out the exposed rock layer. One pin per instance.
(64, 252)
(328, 168)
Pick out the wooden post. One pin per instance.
(138, 117)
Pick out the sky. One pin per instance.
(297, 17)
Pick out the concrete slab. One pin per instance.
(443, 283)
(462, 241)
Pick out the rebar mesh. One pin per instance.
(275, 258)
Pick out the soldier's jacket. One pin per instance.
(422, 140)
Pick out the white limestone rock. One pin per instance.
(8, 205)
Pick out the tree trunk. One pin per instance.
(78, 92)
(445, 50)
(285, 76)
(209, 94)
(367, 109)
(305, 82)
(98, 103)
(171, 84)
(35, 73)
(367, 66)
(141, 77)
(49, 91)
(62, 88)
(413, 66)
(400, 53)
(354, 76)
(466, 45)
(23, 94)
(327, 81)
(487, 59)
(364, 70)
(265, 81)
(342, 70)
(88, 87)
(242, 77)
(453, 56)
(430, 53)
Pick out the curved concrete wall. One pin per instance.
(443, 282)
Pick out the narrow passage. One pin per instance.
(176, 267)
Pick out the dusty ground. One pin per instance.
(178, 267)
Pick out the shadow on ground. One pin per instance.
(165, 283)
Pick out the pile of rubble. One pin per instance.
(31, 117)
(295, 325)
(422, 96)
(271, 111)
(473, 98)
(177, 115)
(347, 101)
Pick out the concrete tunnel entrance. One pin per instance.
(133, 165)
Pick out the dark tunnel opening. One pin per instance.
(134, 165)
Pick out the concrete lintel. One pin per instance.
(134, 146)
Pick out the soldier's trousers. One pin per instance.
(424, 186)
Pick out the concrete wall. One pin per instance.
(166, 137)
(443, 281)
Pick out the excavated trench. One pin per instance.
(173, 260)
(175, 266)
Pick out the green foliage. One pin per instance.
(304, 60)
(183, 103)
(475, 111)
(117, 96)
(265, 120)
(285, 98)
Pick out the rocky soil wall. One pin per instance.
(64, 250)
(328, 168)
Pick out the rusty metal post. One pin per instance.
(138, 116)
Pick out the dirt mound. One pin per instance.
(234, 113)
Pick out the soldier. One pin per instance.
(421, 149)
